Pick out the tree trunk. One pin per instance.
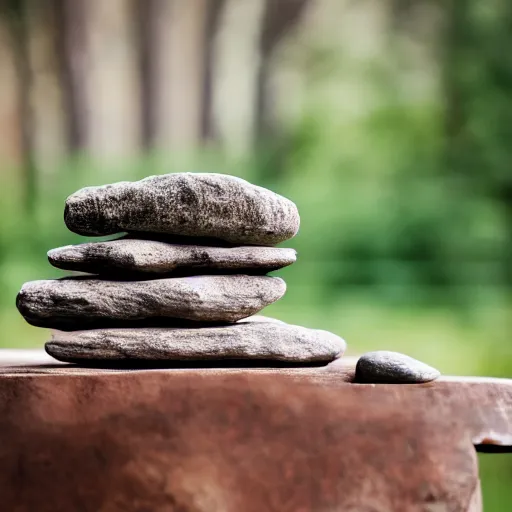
(113, 82)
(278, 19)
(172, 55)
(49, 130)
(71, 44)
(214, 16)
(18, 26)
(234, 81)
(151, 14)
(10, 120)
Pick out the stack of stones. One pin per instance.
(184, 284)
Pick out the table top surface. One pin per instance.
(277, 438)
(483, 404)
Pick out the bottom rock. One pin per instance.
(258, 339)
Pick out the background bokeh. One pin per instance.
(388, 122)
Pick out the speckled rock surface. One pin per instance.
(81, 303)
(150, 256)
(202, 205)
(257, 340)
(383, 366)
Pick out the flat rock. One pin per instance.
(199, 205)
(157, 257)
(251, 340)
(383, 366)
(81, 303)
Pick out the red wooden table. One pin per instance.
(241, 439)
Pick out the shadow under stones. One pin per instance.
(191, 365)
(492, 448)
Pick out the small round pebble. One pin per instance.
(387, 367)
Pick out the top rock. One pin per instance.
(200, 205)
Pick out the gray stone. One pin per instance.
(81, 303)
(200, 205)
(247, 340)
(383, 366)
(157, 257)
